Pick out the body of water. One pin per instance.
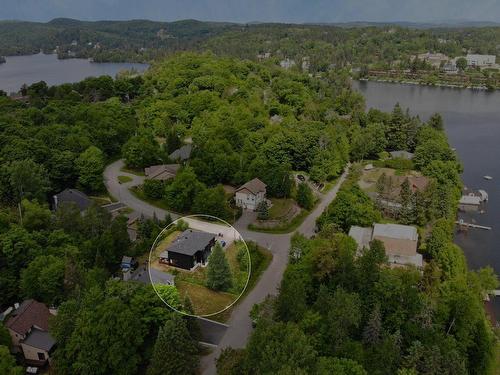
(472, 122)
(19, 70)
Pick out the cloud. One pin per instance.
(255, 10)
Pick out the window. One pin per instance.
(41, 356)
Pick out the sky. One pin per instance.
(296, 11)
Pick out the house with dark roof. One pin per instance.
(249, 195)
(28, 326)
(72, 196)
(161, 172)
(189, 250)
(181, 154)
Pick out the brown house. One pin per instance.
(162, 172)
(28, 326)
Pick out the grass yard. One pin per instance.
(124, 179)
(280, 207)
(139, 193)
(205, 301)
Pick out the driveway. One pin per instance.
(239, 326)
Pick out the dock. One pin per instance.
(470, 225)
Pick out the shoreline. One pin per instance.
(417, 83)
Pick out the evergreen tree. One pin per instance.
(218, 272)
(305, 196)
(436, 121)
(262, 210)
(407, 203)
(373, 329)
(174, 352)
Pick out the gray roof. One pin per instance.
(189, 242)
(162, 171)
(254, 186)
(401, 154)
(397, 231)
(39, 339)
(361, 235)
(183, 153)
(72, 196)
(126, 259)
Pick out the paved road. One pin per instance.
(239, 324)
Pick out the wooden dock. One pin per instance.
(470, 225)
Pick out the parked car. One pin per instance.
(301, 178)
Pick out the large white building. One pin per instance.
(249, 195)
(481, 60)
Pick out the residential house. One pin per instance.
(249, 195)
(401, 154)
(28, 326)
(190, 249)
(400, 242)
(162, 172)
(434, 59)
(469, 202)
(482, 61)
(72, 196)
(182, 154)
(287, 63)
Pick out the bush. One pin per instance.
(153, 189)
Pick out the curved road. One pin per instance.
(239, 324)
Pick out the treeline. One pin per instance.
(324, 46)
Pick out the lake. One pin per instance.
(34, 68)
(472, 122)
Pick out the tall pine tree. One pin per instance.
(174, 352)
(218, 272)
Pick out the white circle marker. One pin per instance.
(193, 224)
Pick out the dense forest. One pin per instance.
(336, 313)
(324, 45)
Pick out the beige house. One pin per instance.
(249, 195)
(400, 242)
(162, 172)
(28, 326)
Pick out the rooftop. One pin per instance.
(162, 171)
(396, 231)
(183, 153)
(254, 186)
(401, 154)
(30, 313)
(73, 196)
(361, 235)
(189, 242)
(40, 340)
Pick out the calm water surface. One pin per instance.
(34, 68)
(472, 122)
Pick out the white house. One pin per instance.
(480, 60)
(249, 195)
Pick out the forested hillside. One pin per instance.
(336, 312)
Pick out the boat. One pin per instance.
(488, 177)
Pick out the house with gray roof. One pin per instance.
(190, 249)
(162, 172)
(400, 242)
(401, 154)
(72, 196)
(249, 195)
(181, 154)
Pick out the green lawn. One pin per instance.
(124, 179)
(280, 207)
(284, 228)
